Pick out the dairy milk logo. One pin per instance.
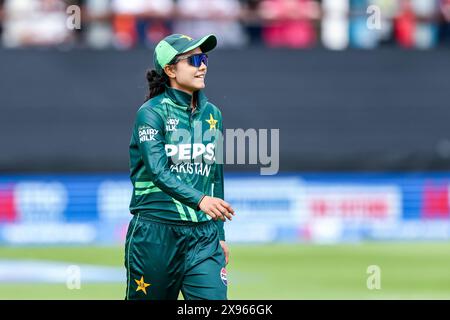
(147, 134)
(171, 124)
(182, 152)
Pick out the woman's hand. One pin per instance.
(216, 208)
(225, 249)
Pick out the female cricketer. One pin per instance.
(175, 240)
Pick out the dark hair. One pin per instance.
(156, 83)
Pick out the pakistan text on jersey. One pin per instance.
(202, 169)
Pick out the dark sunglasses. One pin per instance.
(196, 59)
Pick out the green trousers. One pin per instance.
(162, 258)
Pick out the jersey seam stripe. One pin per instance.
(144, 184)
(129, 248)
(148, 191)
(149, 187)
(180, 209)
(192, 214)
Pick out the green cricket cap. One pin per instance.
(176, 44)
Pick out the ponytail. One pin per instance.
(156, 83)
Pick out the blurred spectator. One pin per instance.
(335, 24)
(140, 21)
(160, 24)
(76, 35)
(416, 24)
(289, 23)
(1, 16)
(294, 24)
(221, 17)
(252, 21)
(444, 29)
(362, 35)
(99, 33)
(426, 28)
(405, 24)
(34, 22)
(371, 22)
(388, 10)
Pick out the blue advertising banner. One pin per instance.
(322, 208)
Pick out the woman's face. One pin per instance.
(185, 77)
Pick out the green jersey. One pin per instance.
(173, 158)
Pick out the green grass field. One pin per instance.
(408, 271)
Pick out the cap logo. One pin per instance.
(187, 37)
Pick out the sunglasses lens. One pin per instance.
(205, 59)
(196, 60)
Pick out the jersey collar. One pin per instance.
(183, 100)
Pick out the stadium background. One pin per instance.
(364, 143)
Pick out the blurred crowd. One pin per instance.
(125, 24)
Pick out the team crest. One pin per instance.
(223, 276)
(212, 122)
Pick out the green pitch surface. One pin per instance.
(408, 271)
